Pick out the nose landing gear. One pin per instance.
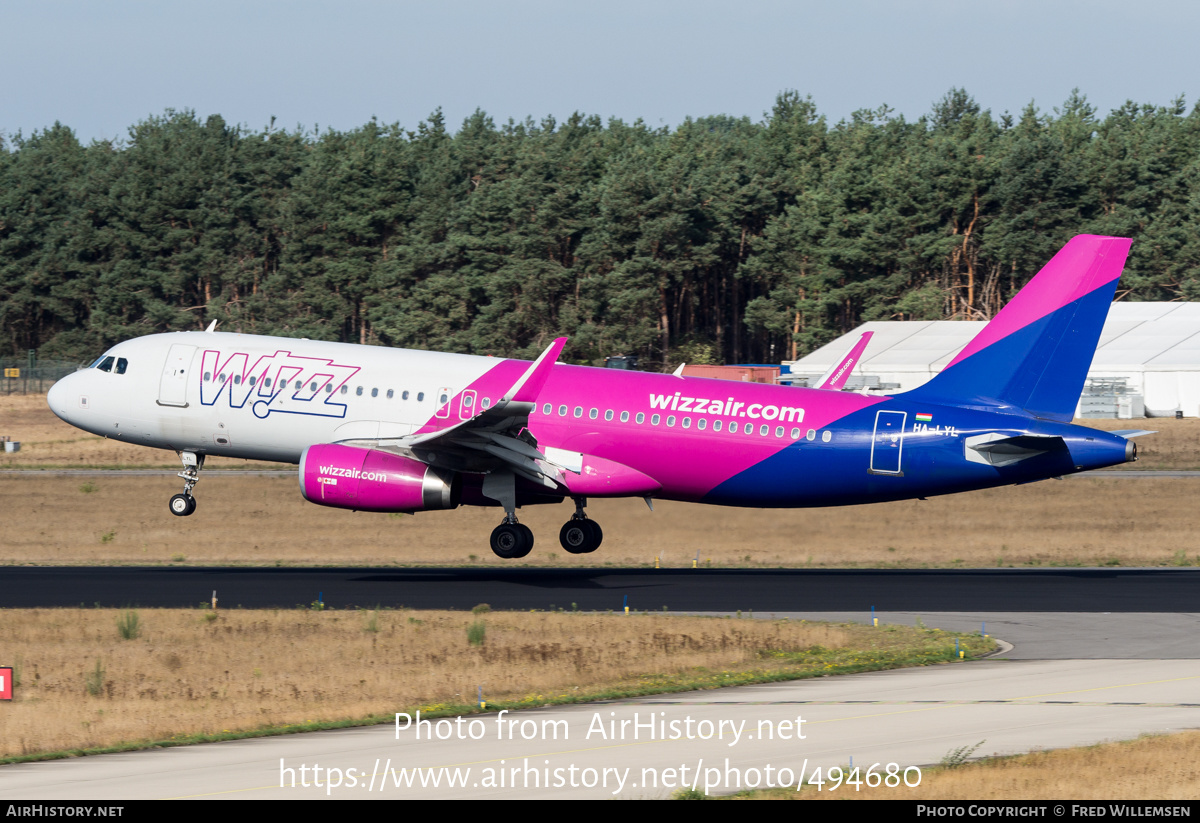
(182, 505)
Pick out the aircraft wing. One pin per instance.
(837, 376)
(497, 437)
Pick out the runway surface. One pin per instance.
(1165, 590)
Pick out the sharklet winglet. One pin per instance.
(529, 386)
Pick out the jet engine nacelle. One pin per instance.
(375, 481)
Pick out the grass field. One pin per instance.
(91, 678)
(264, 521)
(1150, 768)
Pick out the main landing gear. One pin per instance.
(184, 504)
(511, 539)
(580, 535)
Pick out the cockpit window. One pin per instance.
(122, 365)
(106, 364)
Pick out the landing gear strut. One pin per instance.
(579, 535)
(184, 504)
(510, 539)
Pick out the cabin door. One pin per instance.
(887, 445)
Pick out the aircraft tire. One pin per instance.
(512, 540)
(575, 536)
(581, 536)
(182, 505)
(528, 539)
(597, 534)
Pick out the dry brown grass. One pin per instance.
(197, 672)
(1151, 768)
(264, 521)
(47, 441)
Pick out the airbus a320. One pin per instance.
(391, 430)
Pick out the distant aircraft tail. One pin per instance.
(840, 371)
(1035, 354)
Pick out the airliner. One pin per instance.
(391, 430)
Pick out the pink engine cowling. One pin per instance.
(368, 480)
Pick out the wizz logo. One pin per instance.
(281, 383)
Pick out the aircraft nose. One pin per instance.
(63, 397)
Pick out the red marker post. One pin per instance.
(6, 688)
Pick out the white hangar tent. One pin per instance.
(1149, 356)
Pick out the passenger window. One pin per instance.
(578, 411)
(764, 429)
(420, 396)
(608, 415)
(487, 403)
(546, 409)
(562, 411)
(687, 422)
(826, 436)
(641, 418)
(716, 425)
(328, 388)
(779, 431)
(208, 377)
(390, 394)
(702, 424)
(733, 427)
(444, 399)
(122, 364)
(374, 392)
(468, 401)
(593, 414)
(670, 420)
(313, 386)
(344, 389)
(237, 379)
(624, 417)
(267, 382)
(404, 395)
(299, 384)
(358, 392)
(795, 434)
(253, 380)
(654, 418)
(812, 434)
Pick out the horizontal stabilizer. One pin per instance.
(1131, 433)
(1000, 450)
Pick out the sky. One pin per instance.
(101, 67)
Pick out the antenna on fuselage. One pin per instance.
(211, 327)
